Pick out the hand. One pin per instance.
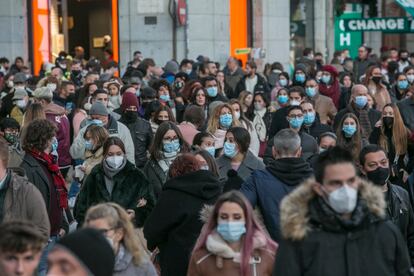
(379, 123)
(131, 214)
(142, 202)
(62, 232)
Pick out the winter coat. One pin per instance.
(130, 186)
(114, 128)
(174, 224)
(325, 107)
(124, 265)
(249, 164)
(407, 112)
(23, 201)
(266, 189)
(91, 160)
(156, 176)
(279, 121)
(141, 134)
(217, 258)
(316, 129)
(232, 79)
(319, 242)
(57, 115)
(17, 114)
(261, 85)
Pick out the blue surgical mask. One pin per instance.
(309, 118)
(229, 149)
(310, 91)
(326, 79)
(294, 103)
(172, 146)
(300, 78)
(296, 122)
(212, 91)
(283, 82)
(211, 151)
(88, 145)
(95, 122)
(349, 130)
(138, 92)
(55, 144)
(226, 120)
(231, 231)
(165, 98)
(282, 99)
(361, 101)
(403, 84)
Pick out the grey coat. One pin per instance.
(124, 266)
(249, 164)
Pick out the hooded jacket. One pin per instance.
(317, 241)
(174, 224)
(266, 189)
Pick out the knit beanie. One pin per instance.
(129, 99)
(98, 109)
(92, 249)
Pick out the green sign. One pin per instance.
(407, 5)
(242, 51)
(385, 24)
(348, 40)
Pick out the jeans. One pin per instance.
(42, 269)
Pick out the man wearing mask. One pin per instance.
(19, 82)
(252, 81)
(375, 166)
(9, 131)
(361, 63)
(311, 121)
(20, 103)
(65, 97)
(403, 62)
(266, 188)
(210, 84)
(335, 225)
(358, 105)
(99, 115)
(76, 73)
(324, 105)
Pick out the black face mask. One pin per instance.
(377, 80)
(379, 176)
(130, 116)
(76, 72)
(388, 121)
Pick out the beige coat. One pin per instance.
(91, 160)
(325, 108)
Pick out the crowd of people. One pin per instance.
(195, 168)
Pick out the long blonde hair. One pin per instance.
(117, 217)
(214, 121)
(400, 133)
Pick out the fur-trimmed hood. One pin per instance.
(294, 215)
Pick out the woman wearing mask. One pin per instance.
(162, 114)
(232, 242)
(221, 120)
(392, 135)
(299, 76)
(207, 162)
(262, 120)
(117, 180)
(400, 87)
(409, 72)
(349, 135)
(373, 81)
(95, 137)
(167, 144)
(329, 84)
(236, 155)
(282, 99)
(248, 125)
(174, 225)
(115, 224)
(283, 82)
(165, 95)
(205, 141)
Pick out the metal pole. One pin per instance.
(65, 28)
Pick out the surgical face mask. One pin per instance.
(188, 71)
(410, 78)
(282, 99)
(212, 91)
(170, 147)
(12, 138)
(309, 118)
(326, 79)
(296, 122)
(226, 120)
(361, 101)
(343, 200)
(115, 161)
(204, 168)
(21, 104)
(88, 145)
(349, 130)
(237, 115)
(211, 151)
(138, 93)
(258, 106)
(379, 176)
(165, 98)
(310, 91)
(51, 86)
(54, 144)
(231, 231)
(283, 82)
(294, 103)
(95, 122)
(229, 149)
(300, 78)
(321, 150)
(403, 84)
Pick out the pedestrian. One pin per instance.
(252, 81)
(115, 224)
(246, 102)
(376, 167)
(267, 187)
(20, 248)
(361, 63)
(207, 161)
(262, 120)
(210, 84)
(117, 180)
(95, 137)
(10, 132)
(406, 107)
(20, 103)
(237, 156)
(340, 213)
(311, 120)
(232, 241)
(174, 225)
(167, 144)
(400, 88)
(374, 82)
(82, 253)
(281, 98)
(300, 74)
(323, 105)
(329, 85)
(205, 141)
(161, 114)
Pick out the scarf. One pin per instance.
(58, 180)
(167, 160)
(363, 117)
(109, 174)
(259, 124)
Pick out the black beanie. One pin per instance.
(92, 249)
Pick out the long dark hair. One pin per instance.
(354, 144)
(113, 141)
(156, 146)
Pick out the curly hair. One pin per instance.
(184, 164)
(38, 134)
